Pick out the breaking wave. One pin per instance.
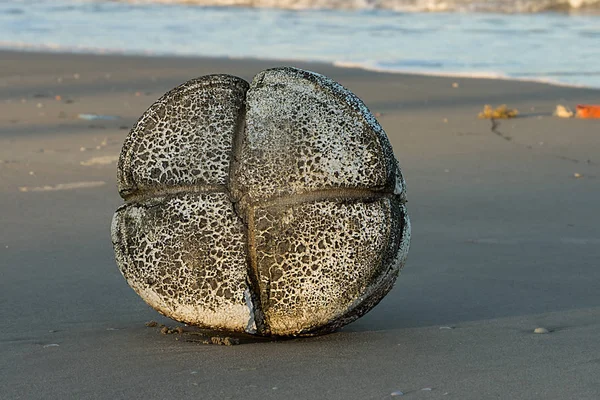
(493, 6)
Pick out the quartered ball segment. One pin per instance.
(275, 208)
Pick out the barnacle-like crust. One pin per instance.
(314, 258)
(317, 133)
(275, 208)
(393, 259)
(185, 255)
(185, 138)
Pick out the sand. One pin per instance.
(505, 240)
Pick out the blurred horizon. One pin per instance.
(487, 6)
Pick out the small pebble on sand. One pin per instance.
(455, 85)
(577, 175)
(541, 330)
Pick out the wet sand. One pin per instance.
(505, 240)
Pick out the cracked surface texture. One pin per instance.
(318, 134)
(307, 278)
(275, 208)
(185, 138)
(186, 254)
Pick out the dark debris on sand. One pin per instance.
(197, 335)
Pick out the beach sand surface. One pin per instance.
(506, 239)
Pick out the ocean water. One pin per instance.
(548, 40)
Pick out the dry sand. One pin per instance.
(505, 239)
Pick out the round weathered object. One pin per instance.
(275, 208)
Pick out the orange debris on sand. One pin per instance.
(588, 111)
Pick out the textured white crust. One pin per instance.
(318, 135)
(226, 319)
(275, 208)
(185, 138)
(184, 255)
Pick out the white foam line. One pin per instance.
(62, 186)
(522, 6)
(58, 48)
(15, 46)
(457, 74)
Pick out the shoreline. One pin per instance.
(500, 76)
